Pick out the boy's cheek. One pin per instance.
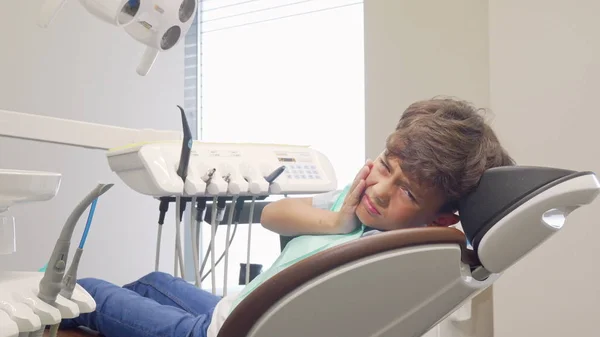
(363, 216)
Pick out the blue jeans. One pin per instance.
(157, 305)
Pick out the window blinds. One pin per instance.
(219, 15)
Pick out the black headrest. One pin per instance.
(500, 191)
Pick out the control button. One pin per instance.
(310, 176)
(315, 172)
(317, 177)
(289, 176)
(60, 265)
(303, 176)
(313, 167)
(296, 177)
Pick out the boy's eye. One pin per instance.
(387, 167)
(409, 194)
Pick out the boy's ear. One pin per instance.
(446, 219)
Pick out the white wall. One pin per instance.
(80, 68)
(417, 49)
(544, 76)
(545, 80)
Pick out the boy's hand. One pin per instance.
(346, 219)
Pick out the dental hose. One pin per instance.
(163, 208)
(178, 256)
(70, 279)
(53, 330)
(200, 208)
(227, 244)
(196, 232)
(238, 209)
(213, 233)
(194, 215)
(221, 206)
(250, 217)
(222, 255)
(209, 248)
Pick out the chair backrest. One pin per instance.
(515, 209)
(402, 283)
(376, 273)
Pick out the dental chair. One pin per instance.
(402, 283)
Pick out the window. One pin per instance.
(278, 71)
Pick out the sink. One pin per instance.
(19, 186)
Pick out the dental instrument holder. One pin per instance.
(241, 210)
(158, 24)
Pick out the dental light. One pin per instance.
(158, 24)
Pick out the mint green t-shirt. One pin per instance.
(302, 247)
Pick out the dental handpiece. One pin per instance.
(51, 283)
(275, 174)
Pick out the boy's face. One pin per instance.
(391, 201)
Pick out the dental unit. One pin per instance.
(512, 212)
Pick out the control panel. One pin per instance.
(299, 165)
(223, 169)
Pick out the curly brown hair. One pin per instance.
(445, 144)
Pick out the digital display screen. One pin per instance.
(287, 160)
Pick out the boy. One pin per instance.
(436, 155)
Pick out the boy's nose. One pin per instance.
(381, 196)
(381, 202)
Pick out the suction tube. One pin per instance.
(51, 283)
